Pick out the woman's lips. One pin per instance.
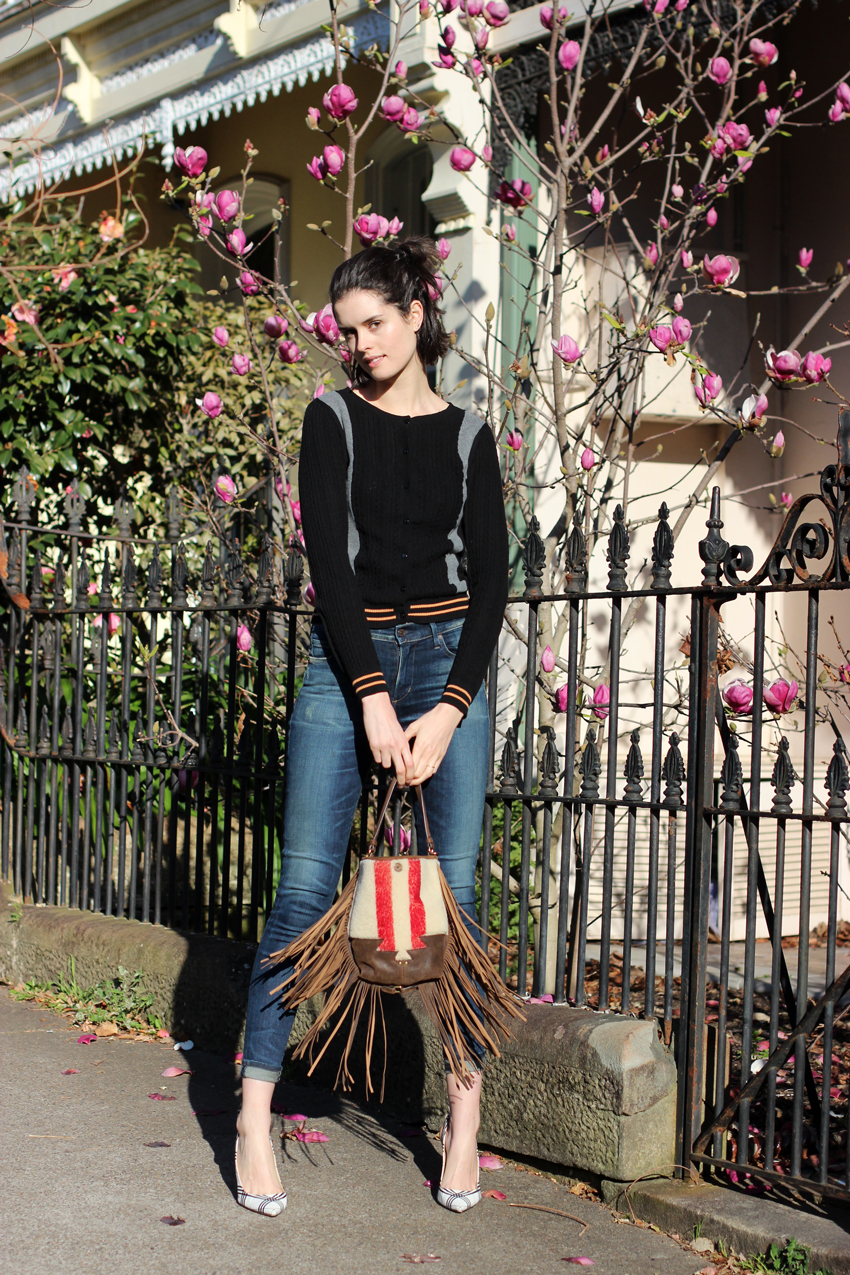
(374, 362)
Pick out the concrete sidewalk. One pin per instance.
(84, 1191)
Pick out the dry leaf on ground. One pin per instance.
(420, 1258)
(173, 1221)
(107, 1029)
(156, 1144)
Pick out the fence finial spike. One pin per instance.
(179, 576)
(534, 560)
(673, 770)
(548, 781)
(618, 552)
(128, 578)
(783, 779)
(713, 548)
(37, 584)
(43, 733)
(837, 781)
(590, 767)
(633, 769)
(662, 550)
(509, 764)
(731, 776)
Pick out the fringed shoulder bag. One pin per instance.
(396, 926)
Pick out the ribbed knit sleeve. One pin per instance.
(485, 537)
(323, 489)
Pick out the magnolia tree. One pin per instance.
(635, 162)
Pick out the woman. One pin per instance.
(401, 501)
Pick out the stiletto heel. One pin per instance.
(455, 1201)
(268, 1205)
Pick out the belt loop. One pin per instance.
(435, 635)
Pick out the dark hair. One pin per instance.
(400, 275)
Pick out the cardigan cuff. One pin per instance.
(457, 697)
(369, 684)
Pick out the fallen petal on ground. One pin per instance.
(162, 1097)
(578, 1261)
(156, 1144)
(491, 1162)
(287, 1115)
(176, 1071)
(86, 1040)
(494, 1195)
(310, 1135)
(70, 1071)
(173, 1221)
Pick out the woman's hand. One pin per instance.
(386, 738)
(433, 733)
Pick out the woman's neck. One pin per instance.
(407, 394)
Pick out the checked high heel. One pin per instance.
(455, 1201)
(268, 1205)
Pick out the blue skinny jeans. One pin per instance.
(328, 761)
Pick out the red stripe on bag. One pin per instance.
(384, 905)
(417, 907)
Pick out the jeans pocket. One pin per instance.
(449, 639)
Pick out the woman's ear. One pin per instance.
(416, 315)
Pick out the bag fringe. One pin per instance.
(323, 965)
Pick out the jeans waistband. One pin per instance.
(430, 612)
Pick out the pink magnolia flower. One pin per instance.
(435, 289)
(836, 113)
(718, 148)
(678, 303)
(754, 410)
(711, 217)
(244, 640)
(738, 136)
(339, 101)
(289, 352)
(318, 168)
(842, 95)
(781, 695)
(709, 389)
(25, 312)
(444, 248)
(547, 660)
(64, 276)
(804, 258)
(677, 191)
(588, 459)
(274, 326)
(389, 837)
(225, 488)
(815, 367)
(681, 329)
(473, 8)
(763, 53)
(461, 159)
(204, 226)
(772, 115)
(661, 337)
(227, 204)
(110, 228)
(738, 696)
(786, 499)
(762, 91)
(192, 161)
(392, 107)
(409, 122)
(482, 35)
(334, 157)
(310, 594)
(777, 447)
(601, 700)
(496, 13)
(663, 222)
(516, 193)
(514, 439)
(210, 404)
(445, 59)
(370, 226)
(185, 780)
(221, 336)
(655, 6)
(394, 227)
(719, 70)
(248, 283)
(720, 270)
(241, 364)
(562, 696)
(844, 673)
(547, 16)
(603, 153)
(487, 152)
(687, 259)
(596, 200)
(475, 68)
(509, 233)
(784, 366)
(401, 70)
(296, 510)
(568, 350)
(325, 326)
(313, 117)
(569, 54)
(236, 241)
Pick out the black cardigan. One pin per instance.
(403, 521)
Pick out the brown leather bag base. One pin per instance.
(383, 969)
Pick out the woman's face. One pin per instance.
(379, 337)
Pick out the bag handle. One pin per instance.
(379, 822)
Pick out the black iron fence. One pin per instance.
(632, 858)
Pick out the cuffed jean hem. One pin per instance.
(251, 1072)
(475, 1066)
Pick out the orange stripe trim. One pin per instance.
(459, 689)
(438, 607)
(367, 677)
